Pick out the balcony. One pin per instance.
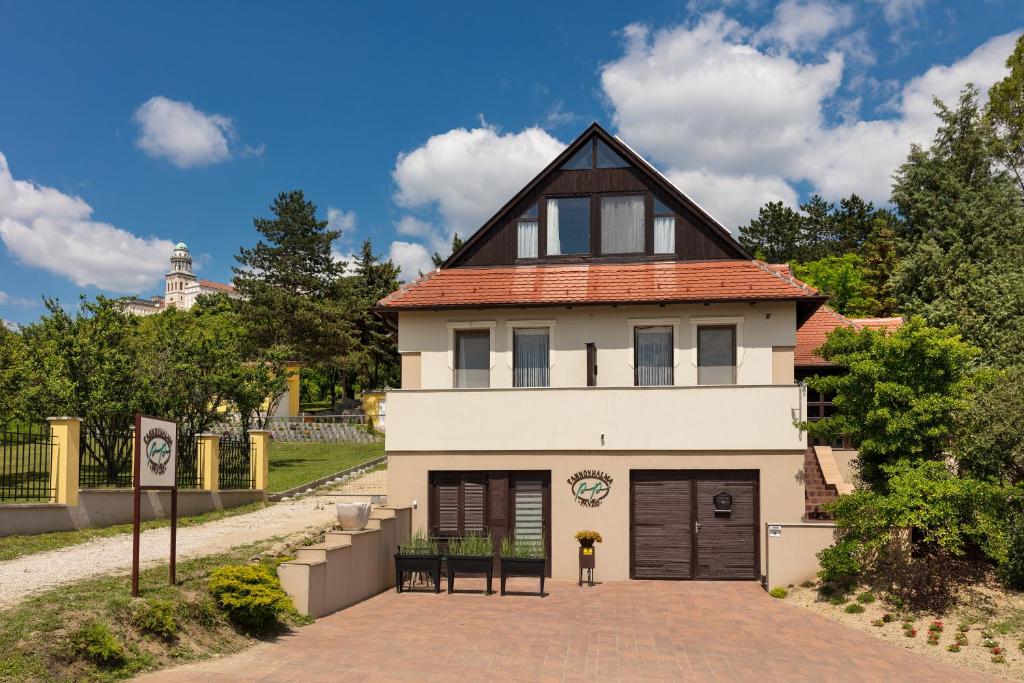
(693, 418)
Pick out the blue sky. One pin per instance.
(127, 126)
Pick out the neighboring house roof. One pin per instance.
(600, 283)
(220, 286)
(811, 335)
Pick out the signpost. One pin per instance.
(156, 465)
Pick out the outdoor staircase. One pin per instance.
(823, 481)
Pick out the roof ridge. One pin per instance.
(786, 278)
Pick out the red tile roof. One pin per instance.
(210, 284)
(666, 281)
(812, 333)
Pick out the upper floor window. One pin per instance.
(472, 358)
(531, 357)
(568, 225)
(528, 233)
(653, 363)
(622, 224)
(664, 229)
(716, 354)
(594, 154)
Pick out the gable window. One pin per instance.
(581, 160)
(594, 154)
(528, 234)
(472, 358)
(653, 363)
(606, 158)
(622, 224)
(568, 225)
(531, 357)
(716, 354)
(664, 229)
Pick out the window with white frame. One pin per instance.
(472, 356)
(531, 357)
(653, 350)
(716, 354)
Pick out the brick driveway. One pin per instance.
(700, 631)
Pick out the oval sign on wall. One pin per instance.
(590, 487)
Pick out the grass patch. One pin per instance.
(12, 547)
(295, 464)
(93, 630)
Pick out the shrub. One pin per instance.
(866, 598)
(156, 617)
(838, 600)
(999, 659)
(961, 638)
(854, 608)
(964, 628)
(472, 545)
(839, 562)
(250, 593)
(807, 584)
(878, 622)
(887, 617)
(1012, 570)
(989, 643)
(953, 648)
(935, 627)
(96, 642)
(587, 535)
(419, 544)
(778, 592)
(910, 632)
(204, 611)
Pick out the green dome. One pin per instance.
(181, 245)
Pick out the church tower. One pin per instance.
(179, 279)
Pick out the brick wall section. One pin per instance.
(816, 491)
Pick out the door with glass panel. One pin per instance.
(653, 364)
(531, 357)
(530, 504)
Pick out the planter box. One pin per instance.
(469, 564)
(523, 566)
(417, 564)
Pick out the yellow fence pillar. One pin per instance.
(208, 462)
(294, 387)
(260, 454)
(64, 458)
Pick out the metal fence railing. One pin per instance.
(191, 456)
(26, 458)
(105, 456)
(236, 466)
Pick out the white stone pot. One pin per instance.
(353, 516)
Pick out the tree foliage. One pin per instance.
(457, 243)
(990, 443)
(1004, 116)
(843, 280)
(899, 394)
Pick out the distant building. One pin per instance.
(181, 287)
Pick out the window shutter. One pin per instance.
(474, 492)
(529, 509)
(448, 505)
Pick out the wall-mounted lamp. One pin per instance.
(415, 504)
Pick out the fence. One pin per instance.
(236, 465)
(105, 456)
(26, 456)
(191, 456)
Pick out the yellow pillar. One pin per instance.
(293, 388)
(64, 458)
(208, 462)
(260, 454)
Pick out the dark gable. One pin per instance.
(619, 185)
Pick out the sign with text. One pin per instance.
(590, 487)
(158, 452)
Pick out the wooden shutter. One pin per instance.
(458, 503)
(447, 488)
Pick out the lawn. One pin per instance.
(295, 464)
(12, 547)
(37, 636)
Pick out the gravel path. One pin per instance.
(24, 576)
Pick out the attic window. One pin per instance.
(595, 154)
(527, 234)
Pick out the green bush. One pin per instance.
(1012, 569)
(854, 608)
(96, 642)
(779, 593)
(419, 544)
(866, 598)
(475, 545)
(838, 600)
(250, 593)
(839, 561)
(156, 617)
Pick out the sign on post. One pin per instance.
(156, 466)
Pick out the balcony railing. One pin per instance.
(704, 418)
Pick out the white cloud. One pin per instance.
(899, 12)
(412, 257)
(732, 199)
(467, 175)
(337, 219)
(6, 298)
(12, 326)
(800, 25)
(45, 228)
(183, 135)
(744, 124)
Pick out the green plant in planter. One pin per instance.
(419, 544)
(778, 592)
(471, 545)
(513, 546)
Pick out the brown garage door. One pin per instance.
(687, 524)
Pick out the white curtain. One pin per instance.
(664, 234)
(531, 358)
(653, 356)
(528, 239)
(554, 244)
(622, 225)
